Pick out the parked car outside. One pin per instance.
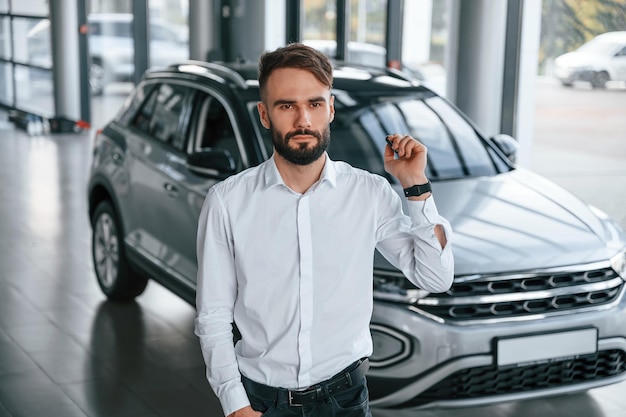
(111, 47)
(598, 61)
(537, 307)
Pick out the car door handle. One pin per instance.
(117, 158)
(171, 189)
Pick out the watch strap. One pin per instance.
(417, 190)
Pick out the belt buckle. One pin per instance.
(317, 390)
(291, 403)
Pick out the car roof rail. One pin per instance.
(400, 74)
(199, 67)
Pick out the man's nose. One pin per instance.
(304, 119)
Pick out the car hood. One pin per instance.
(520, 221)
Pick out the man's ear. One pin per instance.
(332, 108)
(263, 116)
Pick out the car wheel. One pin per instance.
(567, 83)
(115, 277)
(600, 79)
(96, 77)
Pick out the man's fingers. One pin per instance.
(389, 154)
(405, 145)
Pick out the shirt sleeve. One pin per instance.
(409, 242)
(215, 298)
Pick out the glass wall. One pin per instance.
(367, 21)
(169, 32)
(425, 31)
(425, 34)
(26, 57)
(112, 48)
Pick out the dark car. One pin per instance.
(537, 307)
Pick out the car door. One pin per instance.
(213, 125)
(618, 63)
(163, 128)
(170, 193)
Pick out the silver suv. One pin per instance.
(537, 307)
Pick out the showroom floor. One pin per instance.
(65, 351)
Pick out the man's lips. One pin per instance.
(302, 137)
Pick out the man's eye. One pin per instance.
(316, 104)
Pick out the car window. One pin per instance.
(134, 102)
(215, 129)
(465, 143)
(161, 116)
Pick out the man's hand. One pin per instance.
(410, 166)
(246, 412)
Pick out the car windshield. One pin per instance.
(455, 150)
(599, 46)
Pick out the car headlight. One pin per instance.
(393, 286)
(618, 263)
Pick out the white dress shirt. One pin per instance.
(294, 272)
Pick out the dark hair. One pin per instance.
(295, 55)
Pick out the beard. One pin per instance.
(304, 154)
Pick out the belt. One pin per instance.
(315, 393)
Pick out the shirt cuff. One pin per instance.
(234, 399)
(423, 212)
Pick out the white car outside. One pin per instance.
(598, 61)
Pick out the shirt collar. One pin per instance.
(273, 178)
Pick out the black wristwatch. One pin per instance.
(417, 190)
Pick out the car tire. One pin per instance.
(96, 77)
(600, 79)
(115, 277)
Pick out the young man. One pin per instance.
(285, 251)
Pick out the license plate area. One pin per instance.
(546, 347)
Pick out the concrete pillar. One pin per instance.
(492, 65)
(141, 38)
(64, 30)
(244, 29)
(204, 21)
(393, 44)
(476, 60)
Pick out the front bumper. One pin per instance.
(421, 363)
(568, 76)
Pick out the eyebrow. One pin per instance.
(280, 102)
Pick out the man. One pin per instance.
(285, 251)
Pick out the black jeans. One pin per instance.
(350, 402)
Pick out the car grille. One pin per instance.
(523, 295)
(490, 381)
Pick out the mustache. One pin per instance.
(314, 133)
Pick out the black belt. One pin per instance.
(315, 393)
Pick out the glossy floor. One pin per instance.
(65, 351)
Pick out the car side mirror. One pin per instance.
(507, 145)
(212, 162)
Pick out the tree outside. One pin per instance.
(567, 24)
